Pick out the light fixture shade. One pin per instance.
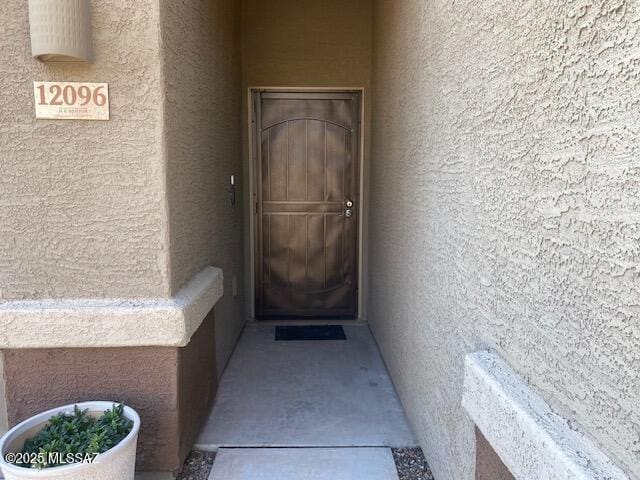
(61, 30)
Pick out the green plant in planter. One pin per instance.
(77, 437)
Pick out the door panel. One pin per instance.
(308, 166)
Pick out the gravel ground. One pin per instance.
(410, 463)
(197, 466)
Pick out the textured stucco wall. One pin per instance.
(201, 68)
(305, 43)
(171, 389)
(81, 202)
(505, 210)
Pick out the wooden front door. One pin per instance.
(307, 149)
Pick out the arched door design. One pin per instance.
(307, 206)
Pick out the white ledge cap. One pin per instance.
(82, 323)
(532, 441)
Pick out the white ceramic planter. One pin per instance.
(115, 464)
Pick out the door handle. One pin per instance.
(348, 212)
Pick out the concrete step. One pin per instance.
(304, 463)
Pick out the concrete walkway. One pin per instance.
(305, 394)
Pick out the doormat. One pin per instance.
(309, 332)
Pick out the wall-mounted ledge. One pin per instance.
(531, 440)
(79, 323)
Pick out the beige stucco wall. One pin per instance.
(95, 214)
(304, 43)
(201, 68)
(82, 212)
(505, 181)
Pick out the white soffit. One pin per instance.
(82, 323)
(532, 441)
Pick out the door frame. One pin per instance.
(253, 192)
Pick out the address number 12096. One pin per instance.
(72, 100)
(69, 95)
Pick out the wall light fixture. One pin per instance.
(61, 30)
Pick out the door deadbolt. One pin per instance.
(348, 212)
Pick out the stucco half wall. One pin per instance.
(522, 433)
(171, 388)
(505, 181)
(77, 323)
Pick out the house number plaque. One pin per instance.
(71, 100)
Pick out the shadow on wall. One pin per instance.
(489, 466)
